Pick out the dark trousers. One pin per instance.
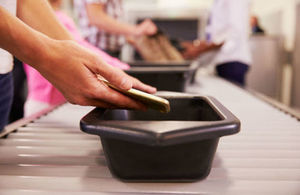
(6, 96)
(20, 91)
(233, 71)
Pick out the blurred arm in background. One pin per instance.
(99, 18)
(194, 49)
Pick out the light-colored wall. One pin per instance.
(278, 17)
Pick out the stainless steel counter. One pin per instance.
(52, 156)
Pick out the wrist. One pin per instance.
(46, 53)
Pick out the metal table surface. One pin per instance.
(51, 155)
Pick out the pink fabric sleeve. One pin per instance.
(39, 89)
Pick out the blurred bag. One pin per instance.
(157, 48)
(149, 49)
(168, 49)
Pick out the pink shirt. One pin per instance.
(39, 89)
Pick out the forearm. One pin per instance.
(102, 21)
(39, 15)
(113, 26)
(23, 42)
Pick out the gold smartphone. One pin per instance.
(152, 101)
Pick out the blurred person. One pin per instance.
(37, 38)
(255, 26)
(41, 93)
(102, 26)
(229, 24)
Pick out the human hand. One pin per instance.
(194, 49)
(191, 51)
(73, 70)
(147, 27)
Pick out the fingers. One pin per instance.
(114, 75)
(115, 98)
(93, 92)
(150, 27)
(77, 80)
(147, 27)
(130, 40)
(102, 95)
(186, 44)
(119, 78)
(143, 87)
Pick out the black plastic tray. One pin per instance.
(152, 146)
(170, 78)
(141, 63)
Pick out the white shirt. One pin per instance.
(229, 23)
(6, 59)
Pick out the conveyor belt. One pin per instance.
(52, 156)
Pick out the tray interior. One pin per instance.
(183, 109)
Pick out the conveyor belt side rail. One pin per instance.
(294, 113)
(280, 106)
(22, 122)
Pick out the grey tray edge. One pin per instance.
(228, 126)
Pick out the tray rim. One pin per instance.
(195, 130)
